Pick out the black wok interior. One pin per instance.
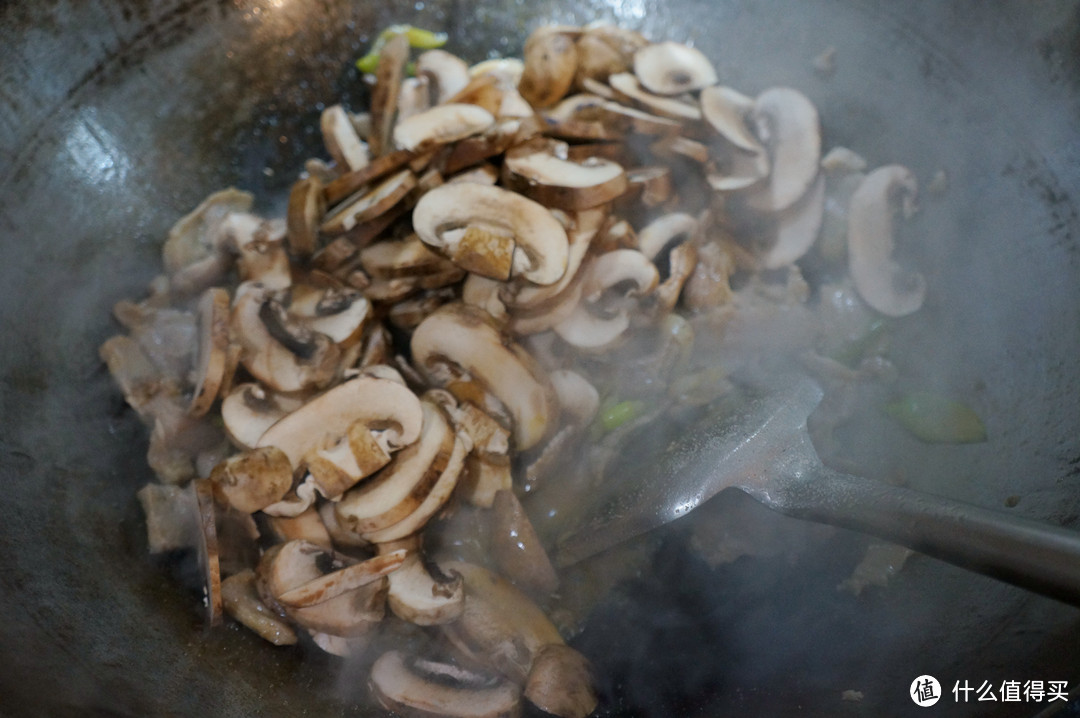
(119, 116)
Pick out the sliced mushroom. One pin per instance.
(388, 76)
(797, 227)
(367, 205)
(593, 325)
(338, 313)
(194, 254)
(628, 119)
(421, 593)
(788, 126)
(242, 602)
(254, 479)
(260, 244)
(341, 140)
(308, 526)
(249, 410)
(483, 292)
(307, 205)
(335, 583)
(881, 282)
(626, 84)
(729, 113)
(212, 361)
(600, 54)
(418, 687)
(447, 74)
(440, 125)
(671, 68)
(208, 550)
(458, 339)
(414, 97)
(578, 398)
(401, 258)
(493, 232)
(560, 683)
(542, 173)
(348, 184)
(296, 502)
(517, 549)
(550, 65)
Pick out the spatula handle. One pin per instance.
(1037, 556)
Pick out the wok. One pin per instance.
(118, 116)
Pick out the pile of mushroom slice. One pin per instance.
(434, 323)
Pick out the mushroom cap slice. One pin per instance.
(585, 328)
(447, 74)
(560, 683)
(383, 405)
(211, 362)
(307, 205)
(459, 338)
(578, 397)
(550, 65)
(341, 140)
(797, 228)
(538, 172)
(789, 128)
(441, 124)
(627, 85)
(367, 205)
(728, 112)
(511, 225)
(671, 68)
(664, 230)
(426, 597)
(340, 314)
(253, 480)
(249, 410)
(428, 689)
(881, 282)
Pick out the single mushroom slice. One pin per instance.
(307, 205)
(414, 97)
(275, 348)
(578, 398)
(308, 526)
(629, 119)
(367, 205)
(421, 593)
(208, 549)
(252, 480)
(423, 688)
(788, 126)
(194, 253)
(627, 86)
(388, 75)
(493, 232)
(459, 340)
(729, 112)
(249, 410)
(340, 581)
(542, 173)
(668, 242)
(295, 502)
(404, 484)
(671, 68)
(408, 257)
(260, 244)
(550, 65)
(516, 547)
(447, 74)
(338, 467)
(611, 285)
(242, 602)
(348, 184)
(212, 360)
(797, 228)
(341, 140)
(339, 313)
(560, 683)
(881, 282)
(440, 125)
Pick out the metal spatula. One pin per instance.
(762, 447)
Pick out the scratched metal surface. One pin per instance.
(118, 116)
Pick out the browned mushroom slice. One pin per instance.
(333, 584)
(540, 173)
(404, 483)
(459, 340)
(276, 350)
(604, 50)
(406, 257)
(517, 549)
(593, 325)
(249, 410)
(881, 282)
(421, 593)
(254, 479)
(560, 683)
(550, 65)
(627, 86)
(242, 602)
(426, 689)
(207, 548)
(350, 183)
(447, 74)
(788, 126)
(671, 68)
(341, 140)
(368, 205)
(493, 232)
(388, 76)
(338, 313)
(307, 205)
(440, 125)
(211, 362)
(500, 626)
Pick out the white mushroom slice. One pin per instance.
(881, 282)
(482, 292)
(436, 498)
(654, 184)
(422, 688)
(413, 98)
(254, 479)
(797, 228)
(447, 74)
(277, 352)
(212, 361)
(671, 68)
(371, 204)
(788, 126)
(249, 410)
(458, 338)
(540, 174)
(585, 328)
(500, 626)
(627, 86)
(441, 124)
(483, 477)
(492, 231)
(333, 584)
(406, 257)
(242, 602)
(550, 65)
(307, 205)
(503, 69)
(421, 593)
(560, 683)
(578, 398)
(261, 246)
(488, 436)
(338, 313)
(386, 407)
(842, 161)
(516, 547)
(665, 231)
(335, 469)
(728, 112)
(308, 526)
(485, 173)
(630, 119)
(400, 488)
(194, 254)
(340, 646)
(341, 140)
(295, 502)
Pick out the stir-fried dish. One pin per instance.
(494, 273)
